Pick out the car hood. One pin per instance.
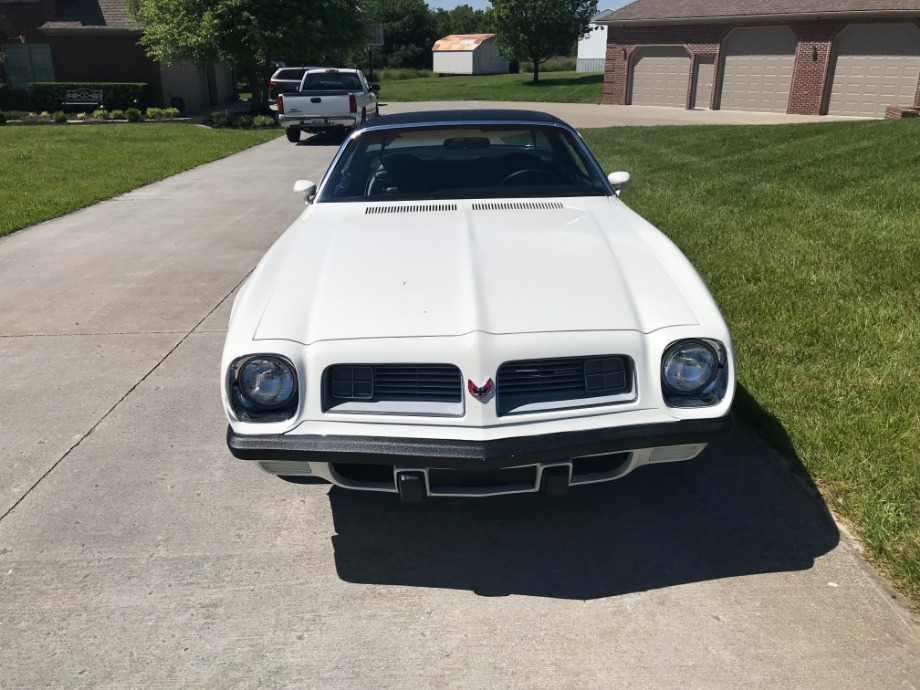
(346, 271)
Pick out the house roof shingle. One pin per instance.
(93, 15)
(663, 11)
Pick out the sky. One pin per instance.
(483, 4)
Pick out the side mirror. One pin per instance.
(374, 87)
(307, 188)
(619, 181)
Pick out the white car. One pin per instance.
(467, 308)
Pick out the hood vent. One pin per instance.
(518, 206)
(410, 208)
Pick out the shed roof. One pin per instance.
(678, 11)
(460, 42)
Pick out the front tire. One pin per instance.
(293, 134)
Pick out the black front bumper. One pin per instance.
(482, 455)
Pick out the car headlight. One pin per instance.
(693, 373)
(263, 388)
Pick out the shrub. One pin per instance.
(225, 118)
(101, 114)
(2, 118)
(263, 121)
(222, 118)
(81, 116)
(44, 113)
(50, 95)
(118, 114)
(133, 115)
(161, 113)
(59, 117)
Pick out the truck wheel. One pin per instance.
(363, 115)
(293, 134)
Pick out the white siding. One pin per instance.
(453, 62)
(493, 62)
(590, 65)
(593, 46)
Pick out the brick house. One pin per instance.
(94, 41)
(810, 57)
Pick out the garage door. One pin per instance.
(875, 65)
(757, 69)
(660, 76)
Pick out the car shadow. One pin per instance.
(735, 510)
(324, 139)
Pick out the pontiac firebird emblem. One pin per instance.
(479, 393)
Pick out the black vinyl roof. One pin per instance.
(461, 116)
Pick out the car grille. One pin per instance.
(543, 384)
(380, 383)
(435, 382)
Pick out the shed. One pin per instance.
(811, 57)
(468, 54)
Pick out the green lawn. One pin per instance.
(553, 87)
(809, 238)
(47, 171)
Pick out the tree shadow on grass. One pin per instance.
(567, 81)
(735, 510)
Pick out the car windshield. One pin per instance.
(290, 74)
(463, 161)
(331, 81)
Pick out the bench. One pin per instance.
(83, 97)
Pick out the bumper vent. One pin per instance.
(550, 384)
(409, 208)
(421, 389)
(519, 206)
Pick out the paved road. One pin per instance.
(136, 552)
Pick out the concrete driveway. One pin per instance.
(586, 115)
(136, 552)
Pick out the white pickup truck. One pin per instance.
(328, 99)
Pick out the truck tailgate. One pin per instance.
(311, 104)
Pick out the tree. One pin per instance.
(466, 20)
(536, 30)
(408, 32)
(463, 19)
(250, 34)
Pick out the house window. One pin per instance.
(26, 63)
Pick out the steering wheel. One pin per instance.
(529, 176)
